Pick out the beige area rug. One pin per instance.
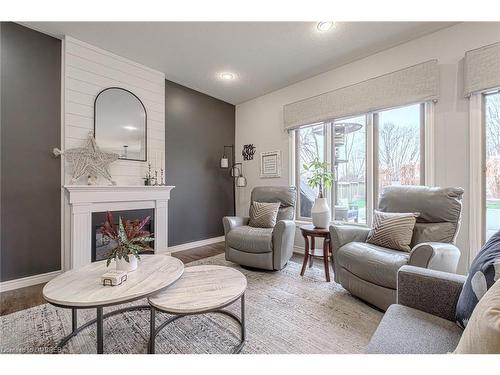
(285, 313)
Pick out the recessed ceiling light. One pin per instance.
(325, 25)
(129, 127)
(226, 76)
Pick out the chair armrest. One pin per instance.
(231, 222)
(436, 256)
(343, 234)
(431, 291)
(283, 241)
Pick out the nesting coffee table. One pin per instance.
(201, 290)
(81, 288)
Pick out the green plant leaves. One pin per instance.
(321, 177)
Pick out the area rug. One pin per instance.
(285, 313)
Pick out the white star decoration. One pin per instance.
(89, 160)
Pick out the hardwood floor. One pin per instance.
(24, 298)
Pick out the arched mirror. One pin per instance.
(120, 123)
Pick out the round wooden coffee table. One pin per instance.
(311, 231)
(201, 290)
(81, 288)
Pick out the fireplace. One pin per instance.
(102, 246)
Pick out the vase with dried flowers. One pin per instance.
(131, 239)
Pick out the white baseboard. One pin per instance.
(28, 281)
(191, 245)
(298, 250)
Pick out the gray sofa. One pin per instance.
(423, 320)
(370, 271)
(264, 248)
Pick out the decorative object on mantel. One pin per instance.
(89, 161)
(270, 164)
(130, 241)
(114, 278)
(236, 172)
(148, 180)
(319, 177)
(248, 152)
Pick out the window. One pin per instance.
(367, 153)
(399, 147)
(310, 145)
(349, 160)
(492, 162)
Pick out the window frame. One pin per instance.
(371, 152)
(477, 175)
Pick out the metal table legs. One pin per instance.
(99, 320)
(241, 321)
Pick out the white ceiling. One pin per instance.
(265, 56)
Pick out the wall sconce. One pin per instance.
(241, 181)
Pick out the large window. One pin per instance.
(349, 160)
(310, 145)
(399, 146)
(366, 153)
(492, 160)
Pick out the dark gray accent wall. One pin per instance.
(197, 126)
(30, 176)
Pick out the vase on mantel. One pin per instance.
(123, 265)
(320, 213)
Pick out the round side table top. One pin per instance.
(82, 287)
(312, 230)
(201, 289)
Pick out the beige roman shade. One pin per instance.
(418, 83)
(482, 69)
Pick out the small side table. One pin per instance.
(310, 252)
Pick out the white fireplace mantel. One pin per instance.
(86, 199)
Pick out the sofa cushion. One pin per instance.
(433, 232)
(372, 263)
(263, 215)
(392, 230)
(482, 334)
(404, 330)
(483, 272)
(250, 239)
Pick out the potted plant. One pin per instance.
(130, 238)
(321, 178)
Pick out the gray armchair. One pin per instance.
(370, 271)
(264, 248)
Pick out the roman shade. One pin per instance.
(482, 69)
(418, 83)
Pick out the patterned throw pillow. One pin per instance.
(392, 230)
(483, 272)
(263, 215)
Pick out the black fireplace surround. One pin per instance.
(101, 246)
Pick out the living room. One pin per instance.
(228, 184)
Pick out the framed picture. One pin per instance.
(270, 164)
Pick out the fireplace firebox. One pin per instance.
(102, 246)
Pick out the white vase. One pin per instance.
(320, 213)
(123, 265)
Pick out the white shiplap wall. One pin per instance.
(87, 71)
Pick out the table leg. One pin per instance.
(326, 253)
(152, 335)
(74, 320)
(243, 329)
(99, 322)
(306, 255)
(311, 256)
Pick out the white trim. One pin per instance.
(192, 245)
(369, 170)
(28, 281)
(429, 148)
(298, 250)
(476, 177)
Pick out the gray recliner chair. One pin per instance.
(264, 248)
(370, 271)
